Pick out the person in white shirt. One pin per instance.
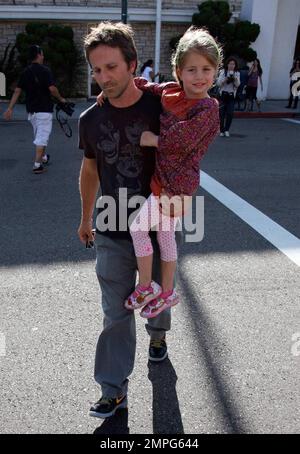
(147, 71)
(228, 82)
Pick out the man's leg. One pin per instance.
(39, 153)
(115, 353)
(42, 127)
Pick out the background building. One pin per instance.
(278, 42)
(176, 16)
(279, 21)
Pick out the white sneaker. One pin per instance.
(227, 134)
(222, 134)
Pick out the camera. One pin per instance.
(230, 77)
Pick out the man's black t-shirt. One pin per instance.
(35, 81)
(111, 136)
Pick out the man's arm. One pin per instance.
(88, 187)
(8, 113)
(54, 92)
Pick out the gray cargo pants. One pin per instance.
(116, 270)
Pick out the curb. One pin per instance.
(266, 114)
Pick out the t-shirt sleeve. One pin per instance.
(48, 78)
(84, 143)
(22, 81)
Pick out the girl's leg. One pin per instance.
(168, 251)
(146, 290)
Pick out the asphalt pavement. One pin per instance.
(234, 360)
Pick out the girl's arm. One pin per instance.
(152, 87)
(193, 135)
(261, 83)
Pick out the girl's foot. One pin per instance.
(142, 296)
(159, 304)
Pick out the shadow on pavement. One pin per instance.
(206, 337)
(166, 411)
(117, 424)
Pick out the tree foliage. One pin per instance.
(59, 49)
(235, 38)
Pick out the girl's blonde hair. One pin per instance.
(197, 40)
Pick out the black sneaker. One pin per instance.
(39, 169)
(45, 162)
(106, 407)
(158, 350)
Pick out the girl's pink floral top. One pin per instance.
(187, 128)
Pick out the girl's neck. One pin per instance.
(202, 96)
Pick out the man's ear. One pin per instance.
(133, 66)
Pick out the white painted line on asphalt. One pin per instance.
(270, 230)
(297, 122)
(2, 344)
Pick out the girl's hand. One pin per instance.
(100, 99)
(148, 139)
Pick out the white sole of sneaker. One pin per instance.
(96, 414)
(158, 360)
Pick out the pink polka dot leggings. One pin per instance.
(150, 216)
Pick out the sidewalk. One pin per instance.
(269, 109)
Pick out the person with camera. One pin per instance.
(254, 75)
(228, 83)
(38, 83)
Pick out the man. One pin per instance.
(115, 161)
(38, 84)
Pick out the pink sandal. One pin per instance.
(140, 298)
(159, 305)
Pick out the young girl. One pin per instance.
(189, 123)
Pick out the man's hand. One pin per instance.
(148, 139)
(7, 115)
(85, 231)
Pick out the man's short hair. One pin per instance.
(114, 35)
(34, 51)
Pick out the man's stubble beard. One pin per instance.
(119, 93)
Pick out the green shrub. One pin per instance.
(59, 49)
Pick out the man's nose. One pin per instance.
(104, 77)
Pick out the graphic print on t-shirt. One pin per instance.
(110, 145)
(125, 153)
